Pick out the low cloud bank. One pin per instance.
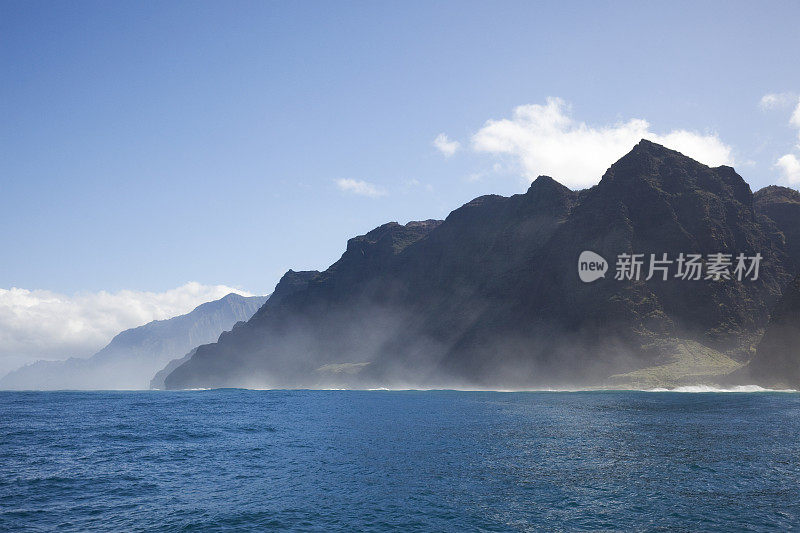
(40, 324)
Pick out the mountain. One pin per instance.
(777, 361)
(133, 356)
(490, 297)
(157, 382)
(782, 206)
(291, 282)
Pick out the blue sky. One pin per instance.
(145, 144)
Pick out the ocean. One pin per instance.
(237, 460)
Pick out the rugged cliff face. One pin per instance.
(135, 355)
(491, 296)
(782, 206)
(340, 315)
(777, 362)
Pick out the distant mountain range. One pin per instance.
(131, 359)
(490, 297)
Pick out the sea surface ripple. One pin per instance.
(233, 460)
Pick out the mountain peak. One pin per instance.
(543, 183)
(652, 165)
(777, 194)
(645, 144)
(230, 298)
(547, 195)
(291, 282)
(649, 149)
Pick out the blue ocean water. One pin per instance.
(231, 460)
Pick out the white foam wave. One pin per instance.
(709, 388)
(684, 388)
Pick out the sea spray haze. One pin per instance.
(491, 297)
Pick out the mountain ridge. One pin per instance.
(131, 358)
(490, 296)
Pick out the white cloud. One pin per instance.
(790, 168)
(362, 188)
(708, 149)
(789, 164)
(795, 120)
(39, 324)
(544, 139)
(776, 100)
(445, 145)
(781, 101)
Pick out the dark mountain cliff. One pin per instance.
(782, 206)
(777, 362)
(339, 314)
(134, 356)
(549, 327)
(491, 297)
(157, 382)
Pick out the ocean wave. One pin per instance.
(684, 388)
(710, 388)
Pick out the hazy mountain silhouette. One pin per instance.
(135, 355)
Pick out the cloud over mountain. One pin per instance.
(789, 166)
(40, 324)
(545, 139)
